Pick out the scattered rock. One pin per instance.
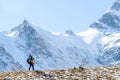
(81, 68)
(94, 73)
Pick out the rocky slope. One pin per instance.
(94, 73)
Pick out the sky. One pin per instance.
(52, 15)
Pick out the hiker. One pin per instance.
(30, 61)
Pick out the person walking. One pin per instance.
(30, 61)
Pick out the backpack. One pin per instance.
(29, 59)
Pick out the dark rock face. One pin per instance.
(110, 20)
(116, 5)
(70, 32)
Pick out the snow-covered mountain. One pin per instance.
(8, 61)
(109, 49)
(99, 45)
(110, 21)
(108, 46)
(50, 50)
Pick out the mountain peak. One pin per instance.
(116, 5)
(23, 29)
(109, 22)
(69, 32)
(25, 22)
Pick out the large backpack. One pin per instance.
(29, 59)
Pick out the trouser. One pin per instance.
(31, 65)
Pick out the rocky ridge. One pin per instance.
(93, 73)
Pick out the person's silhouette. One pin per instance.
(30, 61)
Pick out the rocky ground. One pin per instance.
(95, 73)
